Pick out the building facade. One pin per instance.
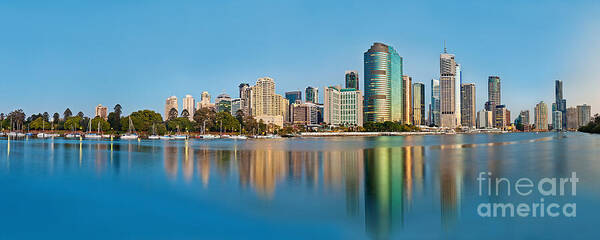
(204, 101)
(467, 93)
(584, 114)
(102, 111)
(331, 105)
(500, 117)
(265, 104)
(561, 103)
(484, 119)
(382, 84)
(557, 121)
(541, 116)
(171, 103)
(434, 114)
(189, 106)
(352, 79)
(418, 104)
(293, 96)
(572, 118)
(448, 96)
(407, 114)
(312, 95)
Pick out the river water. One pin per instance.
(299, 188)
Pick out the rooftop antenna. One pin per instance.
(445, 47)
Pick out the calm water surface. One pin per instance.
(302, 188)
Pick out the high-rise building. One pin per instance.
(312, 95)
(418, 103)
(406, 100)
(304, 114)
(171, 103)
(561, 103)
(223, 103)
(265, 104)
(204, 101)
(584, 114)
(293, 96)
(525, 117)
(331, 104)
(557, 121)
(236, 105)
(541, 116)
(352, 79)
(458, 96)
(572, 118)
(188, 106)
(467, 93)
(351, 107)
(494, 93)
(501, 117)
(448, 96)
(484, 119)
(435, 102)
(102, 111)
(244, 95)
(382, 84)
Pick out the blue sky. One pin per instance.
(76, 54)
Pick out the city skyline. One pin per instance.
(70, 73)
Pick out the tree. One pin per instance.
(185, 113)
(39, 123)
(80, 114)
(104, 125)
(17, 118)
(118, 110)
(73, 123)
(172, 114)
(227, 122)
(204, 117)
(180, 124)
(143, 120)
(67, 114)
(55, 118)
(46, 116)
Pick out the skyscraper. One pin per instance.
(448, 96)
(293, 96)
(352, 79)
(584, 114)
(382, 84)
(101, 111)
(244, 95)
(435, 102)
(223, 103)
(572, 118)
(457, 94)
(467, 93)
(312, 95)
(557, 121)
(484, 119)
(188, 106)
(501, 117)
(418, 103)
(541, 116)
(204, 101)
(331, 104)
(171, 103)
(524, 117)
(407, 114)
(561, 103)
(266, 105)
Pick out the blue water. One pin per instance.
(409, 187)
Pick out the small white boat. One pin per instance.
(41, 135)
(153, 137)
(179, 137)
(71, 135)
(106, 136)
(239, 137)
(93, 136)
(1, 134)
(209, 136)
(165, 137)
(21, 134)
(12, 134)
(129, 136)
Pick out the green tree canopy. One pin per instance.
(39, 124)
(104, 125)
(183, 123)
(142, 120)
(73, 123)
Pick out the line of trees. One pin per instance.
(204, 120)
(593, 126)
